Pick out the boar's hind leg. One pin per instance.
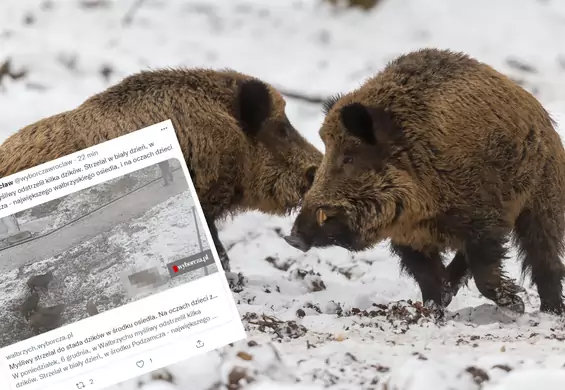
(485, 255)
(539, 235)
(224, 259)
(235, 281)
(428, 271)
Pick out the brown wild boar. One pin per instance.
(439, 151)
(242, 151)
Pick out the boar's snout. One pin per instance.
(297, 237)
(321, 227)
(297, 242)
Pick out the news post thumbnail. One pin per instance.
(97, 249)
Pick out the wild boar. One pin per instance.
(241, 149)
(439, 152)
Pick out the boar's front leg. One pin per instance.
(428, 271)
(458, 275)
(485, 257)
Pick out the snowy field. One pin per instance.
(343, 328)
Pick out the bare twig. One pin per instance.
(519, 65)
(304, 97)
(6, 71)
(128, 17)
(94, 3)
(363, 4)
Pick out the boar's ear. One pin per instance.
(252, 105)
(373, 125)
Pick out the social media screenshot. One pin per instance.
(108, 268)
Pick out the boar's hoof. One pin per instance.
(297, 243)
(436, 311)
(511, 305)
(507, 300)
(447, 296)
(553, 308)
(449, 292)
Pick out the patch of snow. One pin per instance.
(158, 385)
(533, 378)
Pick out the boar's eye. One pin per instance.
(347, 160)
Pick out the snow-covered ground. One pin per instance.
(304, 334)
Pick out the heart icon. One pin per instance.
(139, 363)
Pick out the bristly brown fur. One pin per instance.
(329, 103)
(238, 143)
(440, 151)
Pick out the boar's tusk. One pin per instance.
(321, 216)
